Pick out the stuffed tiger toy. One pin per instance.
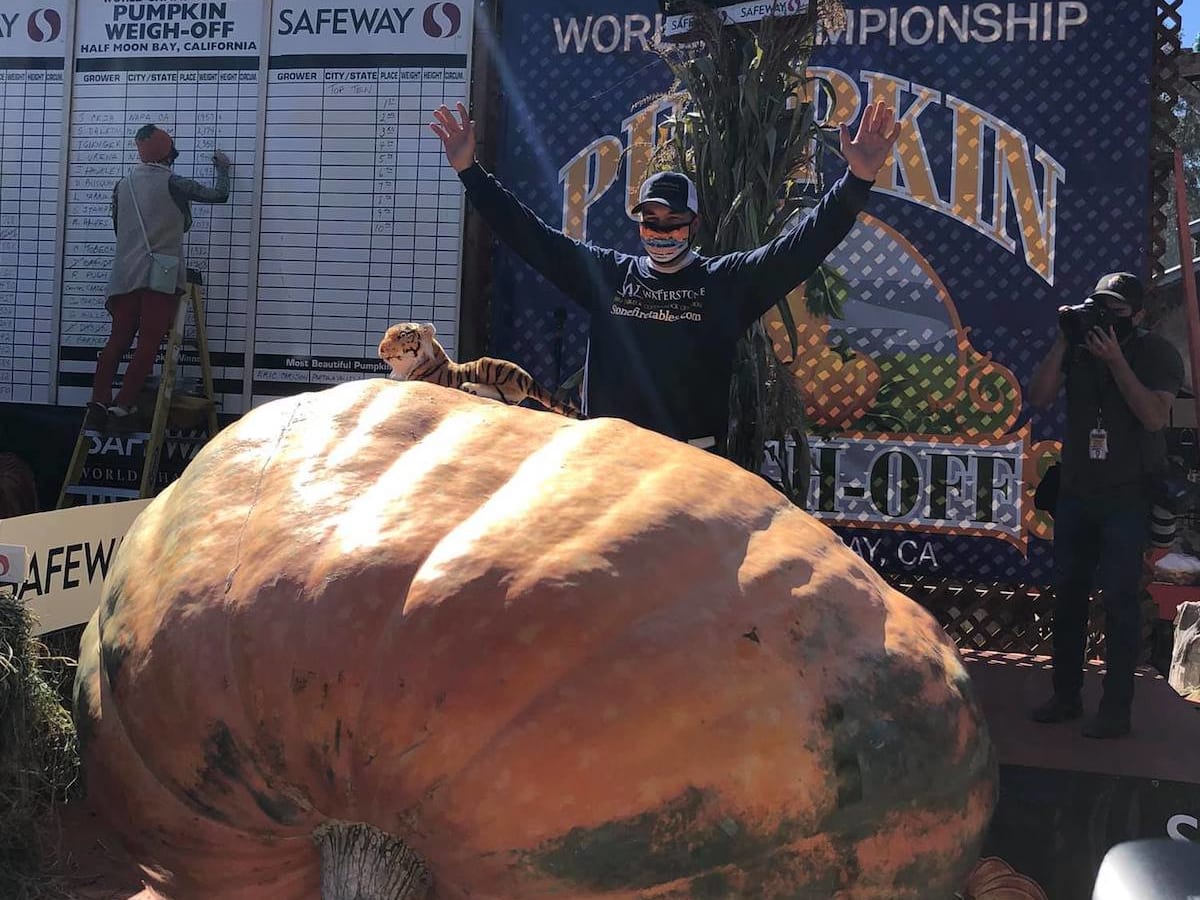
(413, 352)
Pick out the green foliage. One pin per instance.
(825, 294)
(744, 130)
(919, 393)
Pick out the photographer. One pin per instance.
(1120, 382)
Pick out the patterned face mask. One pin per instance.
(665, 243)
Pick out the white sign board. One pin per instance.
(32, 47)
(677, 27)
(69, 554)
(361, 217)
(354, 221)
(191, 68)
(12, 563)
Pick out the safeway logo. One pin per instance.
(44, 25)
(12, 563)
(446, 25)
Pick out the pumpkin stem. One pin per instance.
(361, 862)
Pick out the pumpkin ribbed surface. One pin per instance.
(557, 659)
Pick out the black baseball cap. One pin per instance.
(1123, 287)
(673, 189)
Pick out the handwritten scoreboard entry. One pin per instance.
(361, 218)
(343, 217)
(32, 48)
(196, 75)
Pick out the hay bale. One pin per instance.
(38, 754)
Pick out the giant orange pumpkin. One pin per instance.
(421, 635)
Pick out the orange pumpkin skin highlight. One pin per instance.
(557, 659)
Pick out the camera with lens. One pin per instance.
(1077, 321)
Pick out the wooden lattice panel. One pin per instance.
(1006, 618)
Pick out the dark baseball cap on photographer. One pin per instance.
(1123, 287)
(672, 189)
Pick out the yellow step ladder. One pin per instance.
(167, 402)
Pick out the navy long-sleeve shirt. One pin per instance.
(662, 344)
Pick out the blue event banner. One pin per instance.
(1021, 175)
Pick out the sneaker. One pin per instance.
(1107, 725)
(1057, 709)
(122, 412)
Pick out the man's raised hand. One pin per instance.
(457, 136)
(877, 131)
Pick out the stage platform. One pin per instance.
(1066, 799)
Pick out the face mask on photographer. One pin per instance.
(1124, 297)
(1121, 320)
(1116, 303)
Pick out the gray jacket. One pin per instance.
(164, 200)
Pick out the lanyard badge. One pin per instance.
(1098, 437)
(1098, 442)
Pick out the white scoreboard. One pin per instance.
(32, 59)
(343, 216)
(361, 217)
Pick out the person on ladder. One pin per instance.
(151, 211)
